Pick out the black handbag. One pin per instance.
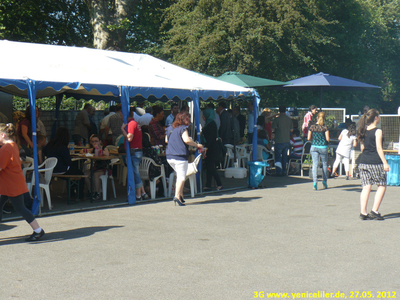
(220, 150)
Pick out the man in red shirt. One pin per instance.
(312, 110)
(134, 136)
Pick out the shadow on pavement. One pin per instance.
(278, 182)
(392, 216)
(58, 236)
(4, 227)
(223, 200)
(347, 187)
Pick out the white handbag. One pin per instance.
(192, 169)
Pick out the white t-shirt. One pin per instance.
(345, 144)
(104, 122)
(169, 120)
(145, 119)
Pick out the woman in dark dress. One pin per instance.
(209, 137)
(58, 147)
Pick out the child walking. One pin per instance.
(372, 165)
(348, 139)
(12, 181)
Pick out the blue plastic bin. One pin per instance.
(393, 175)
(256, 172)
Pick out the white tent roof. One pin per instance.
(57, 69)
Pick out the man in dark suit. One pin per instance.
(241, 119)
(225, 128)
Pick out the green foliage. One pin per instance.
(283, 40)
(144, 32)
(49, 103)
(54, 22)
(276, 39)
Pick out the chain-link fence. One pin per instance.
(390, 125)
(331, 115)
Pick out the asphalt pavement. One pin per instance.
(237, 244)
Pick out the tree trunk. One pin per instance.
(107, 22)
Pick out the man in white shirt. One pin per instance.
(103, 123)
(174, 112)
(82, 125)
(146, 118)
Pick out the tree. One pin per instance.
(109, 20)
(46, 21)
(247, 36)
(283, 40)
(126, 25)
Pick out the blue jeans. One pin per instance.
(281, 151)
(316, 153)
(136, 158)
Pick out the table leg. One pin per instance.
(91, 180)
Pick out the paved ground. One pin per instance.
(285, 238)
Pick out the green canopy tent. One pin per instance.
(250, 81)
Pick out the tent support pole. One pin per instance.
(131, 189)
(32, 102)
(255, 110)
(196, 110)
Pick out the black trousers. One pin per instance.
(211, 171)
(19, 206)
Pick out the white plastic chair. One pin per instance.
(192, 179)
(260, 150)
(144, 175)
(44, 181)
(242, 156)
(111, 147)
(109, 176)
(229, 157)
(26, 164)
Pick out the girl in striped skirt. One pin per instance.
(372, 164)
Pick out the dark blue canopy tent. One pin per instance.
(323, 82)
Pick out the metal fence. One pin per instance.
(338, 114)
(390, 125)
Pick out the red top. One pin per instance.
(135, 129)
(12, 180)
(28, 124)
(307, 119)
(268, 128)
(156, 132)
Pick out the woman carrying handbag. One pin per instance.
(178, 140)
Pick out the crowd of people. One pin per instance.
(219, 126)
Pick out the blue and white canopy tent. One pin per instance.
(38, 70)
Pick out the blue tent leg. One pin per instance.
(196, 109)
(32, 102)
(131, 190)
(256, 98)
